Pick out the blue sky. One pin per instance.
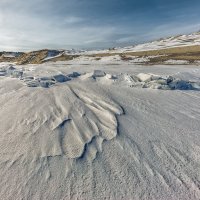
(88, 24)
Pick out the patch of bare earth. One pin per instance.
(186, 53)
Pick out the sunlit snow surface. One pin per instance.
(75, 130)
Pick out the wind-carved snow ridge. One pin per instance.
(71, 122)
(91, 120)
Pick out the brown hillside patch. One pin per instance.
(35, 57)
(188, 53)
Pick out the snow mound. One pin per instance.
(31, 81)
(143, 80)
(111, 58)
(165, 82)
(61, 78)
(144, 77)
(11, 71)
(176, 62)
(45, 82)
(70, 122)
(140, 60)
(98, 73)
(74, 75)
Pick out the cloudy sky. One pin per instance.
(64, 24)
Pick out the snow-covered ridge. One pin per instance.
(53, 54)
(142, 53)
(170, 42)
(175, 41)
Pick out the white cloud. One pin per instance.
(27, 25)
(24, 32)
(73, 20)
(171, 29)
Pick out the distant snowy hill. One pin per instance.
(175, 41)
(182, 49)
